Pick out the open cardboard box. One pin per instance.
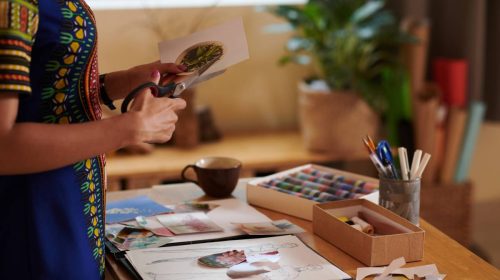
(293, 205)
(394, 236)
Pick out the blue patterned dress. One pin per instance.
(52, 223)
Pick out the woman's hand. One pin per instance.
(156, 117)
(121, 83)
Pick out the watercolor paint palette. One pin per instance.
(296, 190)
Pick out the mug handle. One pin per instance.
(184, 177)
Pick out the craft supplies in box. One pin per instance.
(295, 191)
(391, 236)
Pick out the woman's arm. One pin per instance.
(37, 147)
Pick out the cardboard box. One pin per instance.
(293, 205)
(394, 236)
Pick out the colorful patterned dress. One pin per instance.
(52, 222)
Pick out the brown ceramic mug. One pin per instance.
(216, 176)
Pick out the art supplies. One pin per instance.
(358, 224)
(392, 236)
(319, 186)
(388, 169)
(128, 209)
(296, 260)
(295, 191)
(401, 196)
(403, 161)
(385, 155)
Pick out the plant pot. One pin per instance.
(334, 122)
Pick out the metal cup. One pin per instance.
(401, 197)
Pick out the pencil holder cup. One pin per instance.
(401, 197)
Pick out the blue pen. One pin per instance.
(385, 156)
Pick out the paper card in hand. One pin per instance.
(226, 42)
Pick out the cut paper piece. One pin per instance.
(185, 223)
(279, 227)
(273, 256)
(226, 259)
(125, 210)
(428, 271)
(152, 224)
(288, 227)
(395, 264)
(260, 228)
(244, 270)
(127, 238)
(188, 207)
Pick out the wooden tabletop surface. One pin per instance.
(451, 258)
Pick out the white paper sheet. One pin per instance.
(231, 34)
(296, 261)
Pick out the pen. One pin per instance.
(385, 155)
(403, 161)
(376, 161)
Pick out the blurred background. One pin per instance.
(432, 84)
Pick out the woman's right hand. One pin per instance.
(156, 117)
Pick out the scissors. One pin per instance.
(175, 88)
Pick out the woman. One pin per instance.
(52, 138)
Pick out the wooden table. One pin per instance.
(451, 258)
(272, 151)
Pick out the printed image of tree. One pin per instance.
(197, 56)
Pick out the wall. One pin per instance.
(485, 167)
(254, 95)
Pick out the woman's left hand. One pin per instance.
(119, 84)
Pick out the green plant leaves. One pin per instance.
(353, 42)
(367, 10)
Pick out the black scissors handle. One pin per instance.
(158, 91)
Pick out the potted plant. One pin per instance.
(355, 47)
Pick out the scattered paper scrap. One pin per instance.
(185, 223)
(125, 210)
(128, 238)
(244, 270)
(188, 207)
(152, 224)
(225, 259)
(279, 227)
(395, 268)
